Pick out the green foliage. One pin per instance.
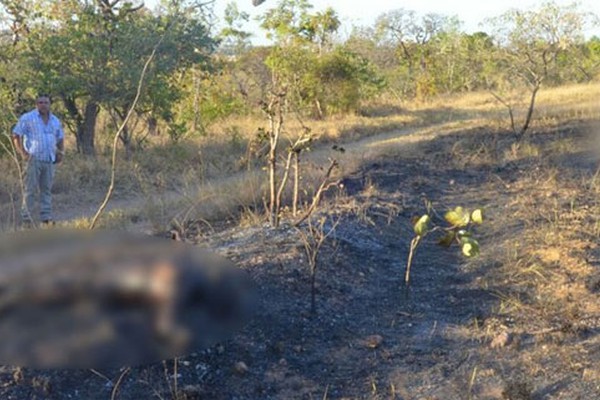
(347, 79)
(218, 99)
(458, 223)
(92, 56)
(531, 45)
(431, 54)
(333, 82)
(234, 38)
(458, 218)
(87, 54)
(184, 43)
(426, 48)
(286, 22)
(477, 216)
(421, 227)
(469, 246)
(319, 28)
(318, 78)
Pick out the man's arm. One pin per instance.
(18, 143)
(60, 150)
(60, 144)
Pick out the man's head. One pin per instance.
(43, 104)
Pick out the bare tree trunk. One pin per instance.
(196, 121)
(126, 139)
(510, 112)
(113, 168)
(273, 220)
(284, 179)
(536, 87)
(296, 183)
(276, 125)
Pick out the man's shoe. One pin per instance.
(48, 222)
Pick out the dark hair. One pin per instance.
(46, 95)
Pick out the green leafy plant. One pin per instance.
(456, 229)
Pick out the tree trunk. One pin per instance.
(296, 183)
(85, 125)
(275, 112)
(77, 118)
(319, 109)
(273, 212)
(125, 137)
(530, 109)
(152, 126)
(86, 141)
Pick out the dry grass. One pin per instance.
(538, 261)
(540, 244)
(542, 215)
(199, 173)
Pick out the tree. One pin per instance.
(286, 22)
(91, 53)
(320, 27)
(340, 80)
(184, 45)
(417, 39)
(529, 46)
(234, 39)
(317, 76)
(73, 58)
(17, 21)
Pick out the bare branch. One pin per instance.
(118, 135)
(510, 111)
(325, 185)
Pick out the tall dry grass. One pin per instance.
(217, 175)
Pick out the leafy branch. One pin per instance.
(457, 229)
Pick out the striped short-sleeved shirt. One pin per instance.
(39, 138)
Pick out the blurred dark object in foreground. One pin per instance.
(83, 299)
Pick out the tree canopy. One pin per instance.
(89, 55)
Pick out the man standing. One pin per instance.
(38, 138)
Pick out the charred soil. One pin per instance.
(521, 321)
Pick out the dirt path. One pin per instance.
(356, 153)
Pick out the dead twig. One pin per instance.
(313, 239)
(413, 247)
(12, 152)
(115, 390)
(325, 185)
(111, 187)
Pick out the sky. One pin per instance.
(356, 12)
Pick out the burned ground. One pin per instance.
(519, 322)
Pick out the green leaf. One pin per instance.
(447, 239)
(421, 227)
(477, 216)
(458, 217)
(470, 247)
